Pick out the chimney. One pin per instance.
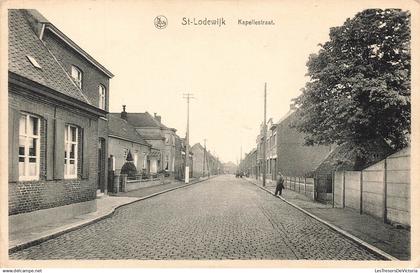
(158, 118)
(124, 113)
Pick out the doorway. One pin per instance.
(101, 165)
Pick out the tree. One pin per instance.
(359, 87)
(129, 168)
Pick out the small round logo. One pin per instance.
(160, 22)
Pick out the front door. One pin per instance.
(101, 165)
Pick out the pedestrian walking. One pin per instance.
(280, 184)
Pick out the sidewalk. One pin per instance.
(106, 205)
(385, 237)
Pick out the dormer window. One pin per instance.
(102, 97)
(77, 76)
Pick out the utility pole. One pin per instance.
(187, 96)
(264, 134)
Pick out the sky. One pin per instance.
(224, 67)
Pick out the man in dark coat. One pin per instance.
(280, 184)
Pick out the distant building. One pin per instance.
(201, 168)
(123, 138)
(229, 167)
(271, 150)
(58, 137)
(248, 165)
(180, 150)
(204, 162)
(161, 138)
(295, 159)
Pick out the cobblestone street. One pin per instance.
(222, 218)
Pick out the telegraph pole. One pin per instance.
(264, 134)
(187, 96)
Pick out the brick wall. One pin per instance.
(26, 196)
(92, 78)
(295, 158)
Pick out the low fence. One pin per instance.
(304, 185)
(381, 190)
(122, 184)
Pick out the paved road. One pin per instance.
(222, 218)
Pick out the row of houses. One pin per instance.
(64, 144)
(286, 153)
(204, 163)
(154, 147)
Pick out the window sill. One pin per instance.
(28, 179)
(70, 177)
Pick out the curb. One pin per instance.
(92, 221)
(335, 228)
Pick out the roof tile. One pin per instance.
(23, 42)
(121, 128)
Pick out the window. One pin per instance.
(28, 147)
(70, 151)
(167, 139)
(77, 75)
(166, 162)
(102, 101)
(135, 159)
(144, 161)
(173, 164)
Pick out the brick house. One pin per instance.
(295, 159)
(58, 102)
(204, 162)
(319, 161)
(161, 137)
(123, 138)
(214, 165)
(180, 159)
(200, 168)
(271, 150)
(249, 164)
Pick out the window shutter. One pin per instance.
(14, 116)
(50, 148)
(85, 153)
(59, 149)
